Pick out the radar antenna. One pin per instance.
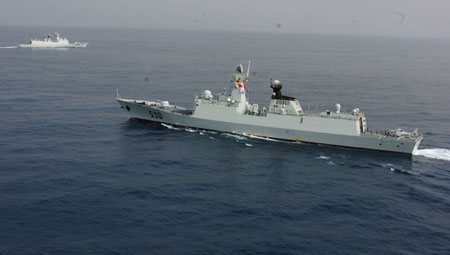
(248, 68)
(239, 69)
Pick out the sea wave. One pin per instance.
(435, 153)
(239, 137)
(267, 138)
(262, 138)
(9, 47)
(170, 126)
(398, 169)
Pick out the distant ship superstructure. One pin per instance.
(285, 119)
(59, 42)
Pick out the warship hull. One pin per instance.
(54, 45)
(308, 128)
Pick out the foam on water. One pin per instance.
(435, 153)
(398, 169)
(170, 126)
(266, 138)
(235, 136)
(9, 47)
(262, 138)
(323, 157)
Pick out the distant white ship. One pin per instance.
(47, 42)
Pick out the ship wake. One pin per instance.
(170, 126)
(237, 136)
(9, 47)
(435, 153)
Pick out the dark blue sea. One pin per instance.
(77, 176)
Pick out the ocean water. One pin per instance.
(77, 176)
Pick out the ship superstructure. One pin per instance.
(284, 119)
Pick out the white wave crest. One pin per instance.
(436, 153)
(398, 169)
(323, 157)
(190, 130)
(9, 47)
(261, 138)
(248, 145)
(235, 136)
(387, 165)
(170, 126)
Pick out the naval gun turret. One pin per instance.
(283, 104)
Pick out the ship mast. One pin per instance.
(248, 69)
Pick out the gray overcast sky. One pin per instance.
(429, 18)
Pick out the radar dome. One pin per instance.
(207, 94)
(276, 84)
(338, 108)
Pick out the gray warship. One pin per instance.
(284, 119)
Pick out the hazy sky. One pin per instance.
(430, 18)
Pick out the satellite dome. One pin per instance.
(276, 84)
(207, 94)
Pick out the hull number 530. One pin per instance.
(155, 115)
